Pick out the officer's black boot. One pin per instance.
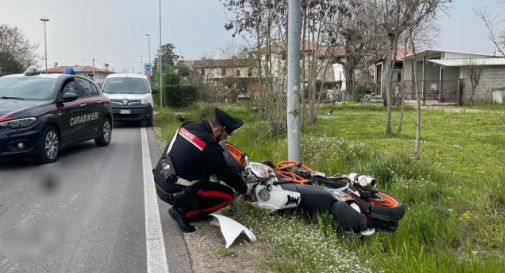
(178, 215)
(201, 218)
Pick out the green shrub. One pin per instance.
(180, 95)
(363, 89)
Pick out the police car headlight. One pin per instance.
(18, 123)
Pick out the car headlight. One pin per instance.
(18, 123)
(261, 170)
(145, 101)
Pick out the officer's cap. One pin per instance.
(228, 122)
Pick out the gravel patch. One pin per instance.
(206, 248)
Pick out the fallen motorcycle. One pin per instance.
(352, 200)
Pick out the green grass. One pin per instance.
(455, 196)
(494, 106)
(222, 252)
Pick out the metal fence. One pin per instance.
(442, 91)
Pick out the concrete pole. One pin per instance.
(293, 97)
(149, 48)
(45, 40)
(160, 61)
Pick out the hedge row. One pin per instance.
(178, 95)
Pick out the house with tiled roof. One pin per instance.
(215, 69)
(243, 72)
(225, 76)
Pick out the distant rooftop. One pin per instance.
(208, 63)
(77, 69)
(428, 52)
(470, 62)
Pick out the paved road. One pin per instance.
(86, 212)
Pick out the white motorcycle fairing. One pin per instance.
(231, 229)
(274, 198)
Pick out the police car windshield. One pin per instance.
(27, 88)
(125, 85)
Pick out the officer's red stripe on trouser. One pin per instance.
(211, 197)
(193, 213)
(217, 194)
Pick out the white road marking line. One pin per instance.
(156, 258)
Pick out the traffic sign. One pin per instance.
(148, 69)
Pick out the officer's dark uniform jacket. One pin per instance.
(195, 156)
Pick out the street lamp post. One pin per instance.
(45, 40)
(148, 47)
(160, 61)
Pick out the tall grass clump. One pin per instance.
(497, 193)
(333, 154)
(387, 168)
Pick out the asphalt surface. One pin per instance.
(84, 213)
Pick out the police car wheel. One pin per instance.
(105, 134)
(50, 146)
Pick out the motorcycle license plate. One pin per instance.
(125, 112)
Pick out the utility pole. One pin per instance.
(293, 99)
(160, 62)
(45, 40)
(93, 68)
(149, 47)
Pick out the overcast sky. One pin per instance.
(112, 31)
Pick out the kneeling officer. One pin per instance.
(191, 157)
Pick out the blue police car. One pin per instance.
(40, 114)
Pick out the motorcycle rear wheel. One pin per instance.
(387, 211)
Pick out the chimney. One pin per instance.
(106, 66)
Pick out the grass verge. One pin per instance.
(455, 220)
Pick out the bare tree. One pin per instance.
(359, 37)
(264, 22)
(415, 29)
(495, 25)
(16, 52)
(417, 148)
(394, 18)
(424, 35)
(473, 72)
(321, 23)
(233, 50)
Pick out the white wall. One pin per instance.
(492, 77)
(338, 70)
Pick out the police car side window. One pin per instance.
(70, 86)
(95, 90)
(85, 87)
